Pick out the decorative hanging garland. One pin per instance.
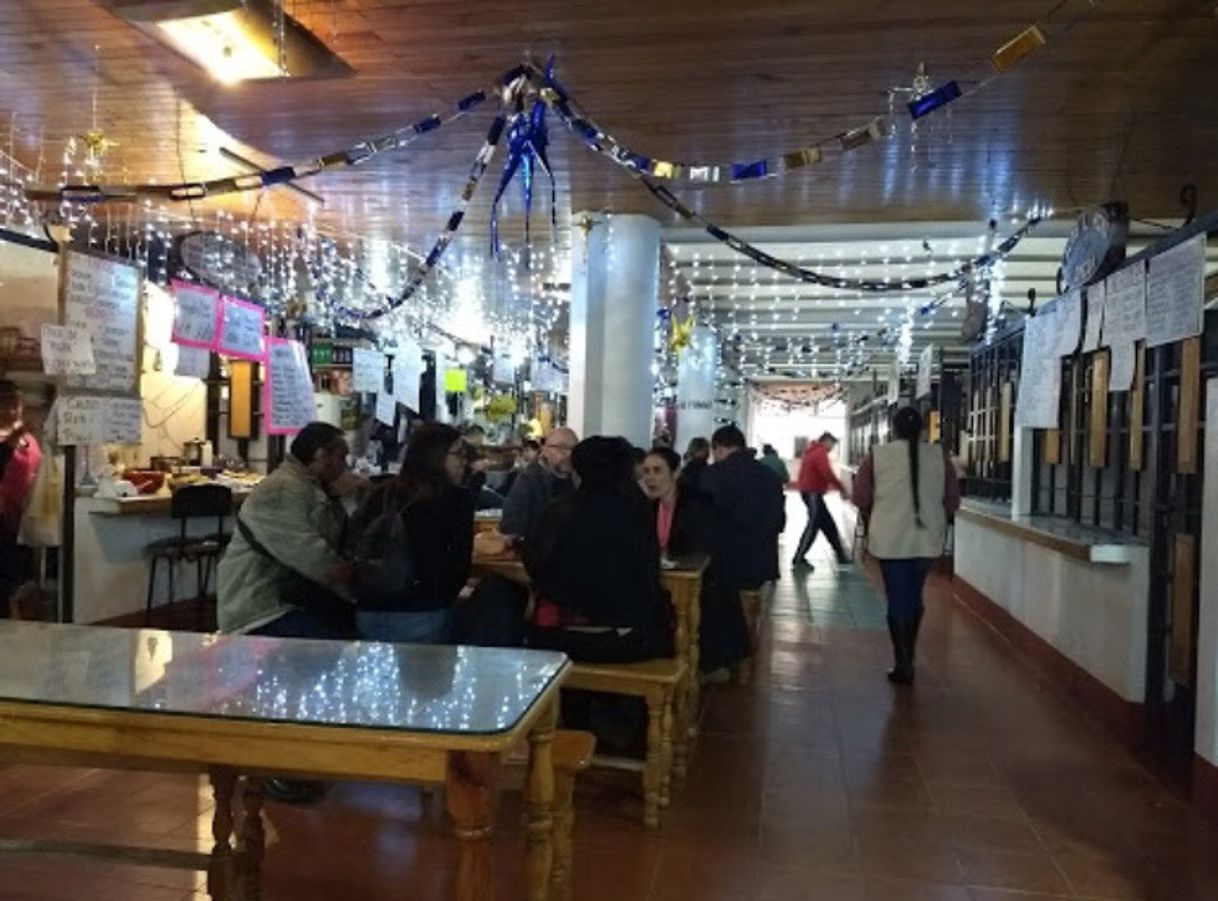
(508, 84)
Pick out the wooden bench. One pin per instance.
(750, 603)
(572, 752)
(658, 683)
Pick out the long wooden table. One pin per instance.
(682, 579)
(233, 706)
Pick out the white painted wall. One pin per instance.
(1094, 614)
(1207, 622)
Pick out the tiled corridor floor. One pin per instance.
(818, 782)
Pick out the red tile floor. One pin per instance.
(817, 782)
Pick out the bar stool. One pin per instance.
(191, 502)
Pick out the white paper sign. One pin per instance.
(67, 350)
(368, 370)
(1068, 310)
(1175, 293)
(386, 407)
(241, 330)
(124, 420)
(1095, 317)
(407, 374)
(926, 369)
(504, 371)
(1120, 370)
(79, 420)
(102, 296)
(894, 382)
(1125, 305)
(290, 404)
(196, 315)
(193, 362)
(1040, 373)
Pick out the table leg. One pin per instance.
(252, 843)
(694, 701)
(541, 804)
(681, 733)
(221, 869)
(564, 821)
(469, 791)
(666, 752)
(654, 762)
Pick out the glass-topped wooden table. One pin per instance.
(235, 706)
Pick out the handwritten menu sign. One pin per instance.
(1125, 305)
(407, 374)
(124, 420)
(386, 407)
(1095, 316)
(368, 370)
(83, 419)
(1040, 372)
(1068, 310)
(926, 366)
(67, 350)
(1175, 293)
(196, 316)
(290, 404)
(1121, 367)
(102, 297)
(193, 362)
(242, 326)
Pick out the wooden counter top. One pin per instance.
(1085, 543)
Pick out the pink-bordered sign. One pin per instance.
(242, 330)
(288, 390)
(197, 315)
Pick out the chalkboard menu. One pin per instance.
(102, 297)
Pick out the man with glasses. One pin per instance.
(539, 483)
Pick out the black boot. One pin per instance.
(900, 631)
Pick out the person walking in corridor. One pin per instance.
(907, 490)
(816, 479)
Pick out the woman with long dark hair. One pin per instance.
(907, 490)
(438, 519)
(684, 516)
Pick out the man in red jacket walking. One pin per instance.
(816, 479)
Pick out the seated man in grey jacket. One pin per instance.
(290, 530)
(539, 483)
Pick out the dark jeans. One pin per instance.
(299, 623)
(819, 520)
(903, 583)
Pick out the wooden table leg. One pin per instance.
(221, 868)
(564, 822)
(666, 752)
(654, 762)
(252, 844)
(469, 792)
(541, 804)
(682, 732)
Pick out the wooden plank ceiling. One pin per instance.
(1119, 107)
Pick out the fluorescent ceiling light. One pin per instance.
(222, 45)
(233, 40)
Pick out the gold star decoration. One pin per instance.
(680, 335)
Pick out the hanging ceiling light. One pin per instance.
(234, 40)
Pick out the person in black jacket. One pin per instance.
(595, 565)
(697, 461)
(747, 501)
(684, 517)
(439, 518)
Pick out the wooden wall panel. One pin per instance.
(1004, 423)
(1053, 446)
(1189, 407)
(1182, 647)
(1097, 454)
(1137, 409)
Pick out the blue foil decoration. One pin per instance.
(937, 98)
(528, 144)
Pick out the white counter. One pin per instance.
(111, 558)
(1083, 591)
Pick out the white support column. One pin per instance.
(615, 286)
(696, 387)
(1206, 743)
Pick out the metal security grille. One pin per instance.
(989, 401)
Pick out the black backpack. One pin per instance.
(385, 574)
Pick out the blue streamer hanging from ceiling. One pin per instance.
(528, 150)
